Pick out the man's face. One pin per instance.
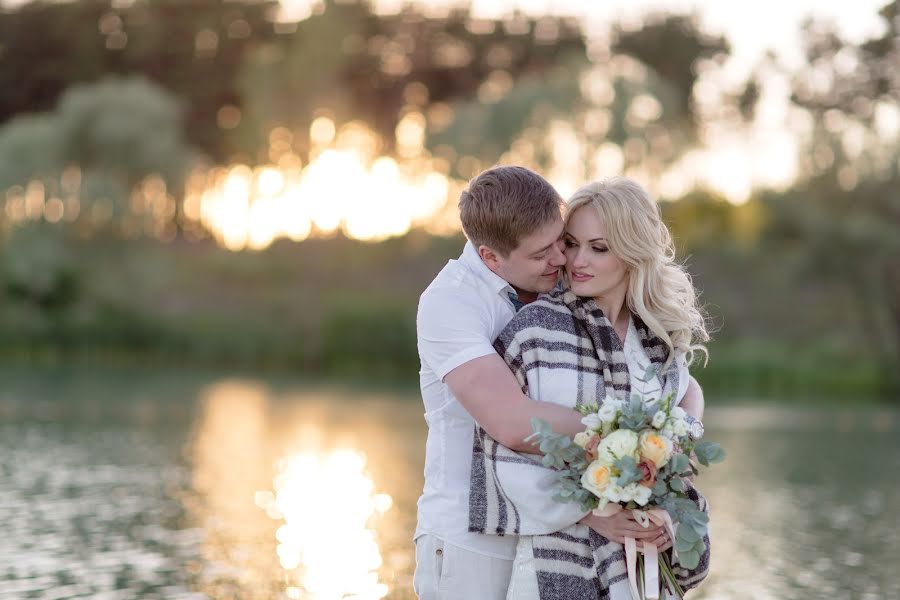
(534, 265)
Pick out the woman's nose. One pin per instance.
(578, 259)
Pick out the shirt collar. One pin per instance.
(473, 262)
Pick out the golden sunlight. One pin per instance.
(345, 187)
(326, 501)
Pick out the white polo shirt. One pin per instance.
(460, 314)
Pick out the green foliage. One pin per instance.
(118, 131)
(30, 148)
(680, 463)
(633, 415)
(127, 126)
(489, 129)
(672, 45)
(628, 471)
(709, 453)
(37, 272)
(569, 460)
(692, 527)
(369, 337)
(586, 409)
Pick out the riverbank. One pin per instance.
(334, 309)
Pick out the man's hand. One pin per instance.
(622, 524)
(488, 390)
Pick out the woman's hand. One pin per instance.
(622, 524)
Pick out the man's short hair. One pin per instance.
(504, 204)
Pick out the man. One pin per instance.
(511, 217)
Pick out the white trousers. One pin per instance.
(448, 572)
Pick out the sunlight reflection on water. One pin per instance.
(289, 496)
(327, 501)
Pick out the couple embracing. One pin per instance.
(545, 310)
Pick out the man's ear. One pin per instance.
(490, 257)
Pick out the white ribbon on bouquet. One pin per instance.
(656, 516)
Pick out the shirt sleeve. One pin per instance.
(452, 329)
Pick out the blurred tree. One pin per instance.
(486, 130)
(39, 283)
(47, 46)
(128, 127)
(223, 55)
(850, 239)
(30, 148)
(672, 46)
(845, 211)
(352, 64)
(117, 131)
(192, 48)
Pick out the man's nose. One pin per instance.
(559, 258)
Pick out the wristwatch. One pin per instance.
(695, 427)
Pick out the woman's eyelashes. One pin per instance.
(598, 249)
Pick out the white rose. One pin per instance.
(618, 444)
(591, 421)
(678, 413)
(616, 493)
(659, 419)
(680, 428)
(581, 438)
(640, 494)
(607, 413)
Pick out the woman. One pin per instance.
(625, 305)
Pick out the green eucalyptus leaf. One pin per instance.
(628, 472)
(689, 559)
(680, 463)
(659, 488)
(682, 545)
(687, 534)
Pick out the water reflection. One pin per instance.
(230, 462)
(295, 493)
(309, 493)
(325, 544)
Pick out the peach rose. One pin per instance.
(596, 478)
(647, 469)
(590, 448)
(656, 448)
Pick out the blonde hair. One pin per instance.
(660, 290)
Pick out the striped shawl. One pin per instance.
(562, 349)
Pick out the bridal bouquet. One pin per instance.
(635, 455)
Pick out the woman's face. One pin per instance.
(593, 270)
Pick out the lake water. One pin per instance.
(120, 485)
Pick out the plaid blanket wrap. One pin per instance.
(562, 349)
